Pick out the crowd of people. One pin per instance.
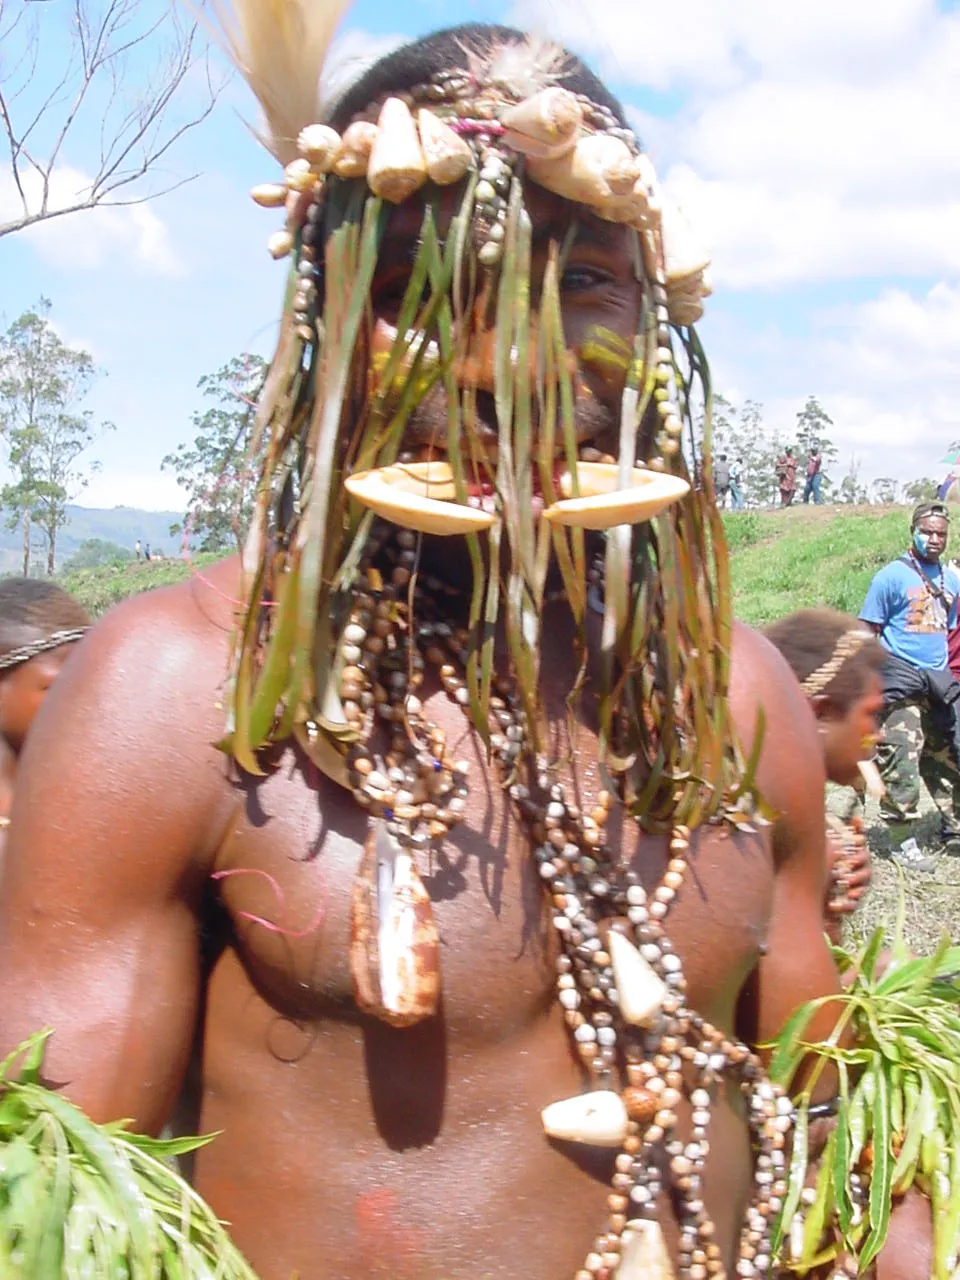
(728, 478)
(461, 887)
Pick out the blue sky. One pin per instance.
(814, 147)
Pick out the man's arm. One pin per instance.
(105, 865)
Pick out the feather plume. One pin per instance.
(280, 47)
(519, 69)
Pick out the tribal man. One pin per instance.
(513, 845)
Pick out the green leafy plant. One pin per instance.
(898, 1111)
(87, 1201)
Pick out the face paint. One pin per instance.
(921, 542)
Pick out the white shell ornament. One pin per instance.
(397, 167)
(318, 144)
(598, 1119)
(354, 155)
(598, 170)
(641, 991)
(643, 1254)
(544, 125)
(446, 154)
(300, 176)
(269, 195)
(417, 495)
(280, 244)
(603, 504)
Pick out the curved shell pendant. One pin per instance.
(394, 944)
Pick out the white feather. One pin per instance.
(280, 48)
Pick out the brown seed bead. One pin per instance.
(641, 1104)
(363, 765)
(617, 1204)
(632, 1145)
(618, 1221)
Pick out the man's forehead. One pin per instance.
(550, 218)
(933, 524)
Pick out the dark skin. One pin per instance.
(349, 1148)
(22, 691)
(848, 734)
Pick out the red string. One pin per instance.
(281, 902)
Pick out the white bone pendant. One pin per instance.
(448, 157)
(598, 1119)
(640, 990)
(643, 1254)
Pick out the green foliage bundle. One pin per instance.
(94, 1202)
(898, 1113)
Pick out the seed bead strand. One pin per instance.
(586, 890)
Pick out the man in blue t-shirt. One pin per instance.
(912, 604)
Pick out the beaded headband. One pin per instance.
(25, 652)
(849, 643)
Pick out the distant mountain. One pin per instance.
(123, 525)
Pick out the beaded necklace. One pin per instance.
(619, 981)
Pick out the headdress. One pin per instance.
(849, 643)
(338, 625)
(24, 652)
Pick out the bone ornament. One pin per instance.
(397, 167)
(643, 1253)
(446, 154)
(603, 504)
(597, 1119)
(417, 495)
(355, 146)
(544, 125)
(641, 992)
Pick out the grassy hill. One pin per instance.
(782, 560)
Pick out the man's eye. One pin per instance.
(582, 279)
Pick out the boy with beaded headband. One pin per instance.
(479, 340)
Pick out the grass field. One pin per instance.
(781, 561)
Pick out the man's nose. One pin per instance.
(477, 368)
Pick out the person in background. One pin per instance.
(721, 480)
(146, 551)
(911, 605)
(138, 549)
(839, 664)
(736, 485)
(39, 625)
(812, 486)
(787, 476)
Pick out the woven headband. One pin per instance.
(848, 644)
(32, 650)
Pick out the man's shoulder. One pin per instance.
(157, 661)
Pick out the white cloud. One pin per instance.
(88, 239)
(814, 142)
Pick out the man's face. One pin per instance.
(598, 291)
(932, 539)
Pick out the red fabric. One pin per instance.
(953, 649)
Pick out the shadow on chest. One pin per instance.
(286, 876)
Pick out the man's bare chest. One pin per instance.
(286, 876)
